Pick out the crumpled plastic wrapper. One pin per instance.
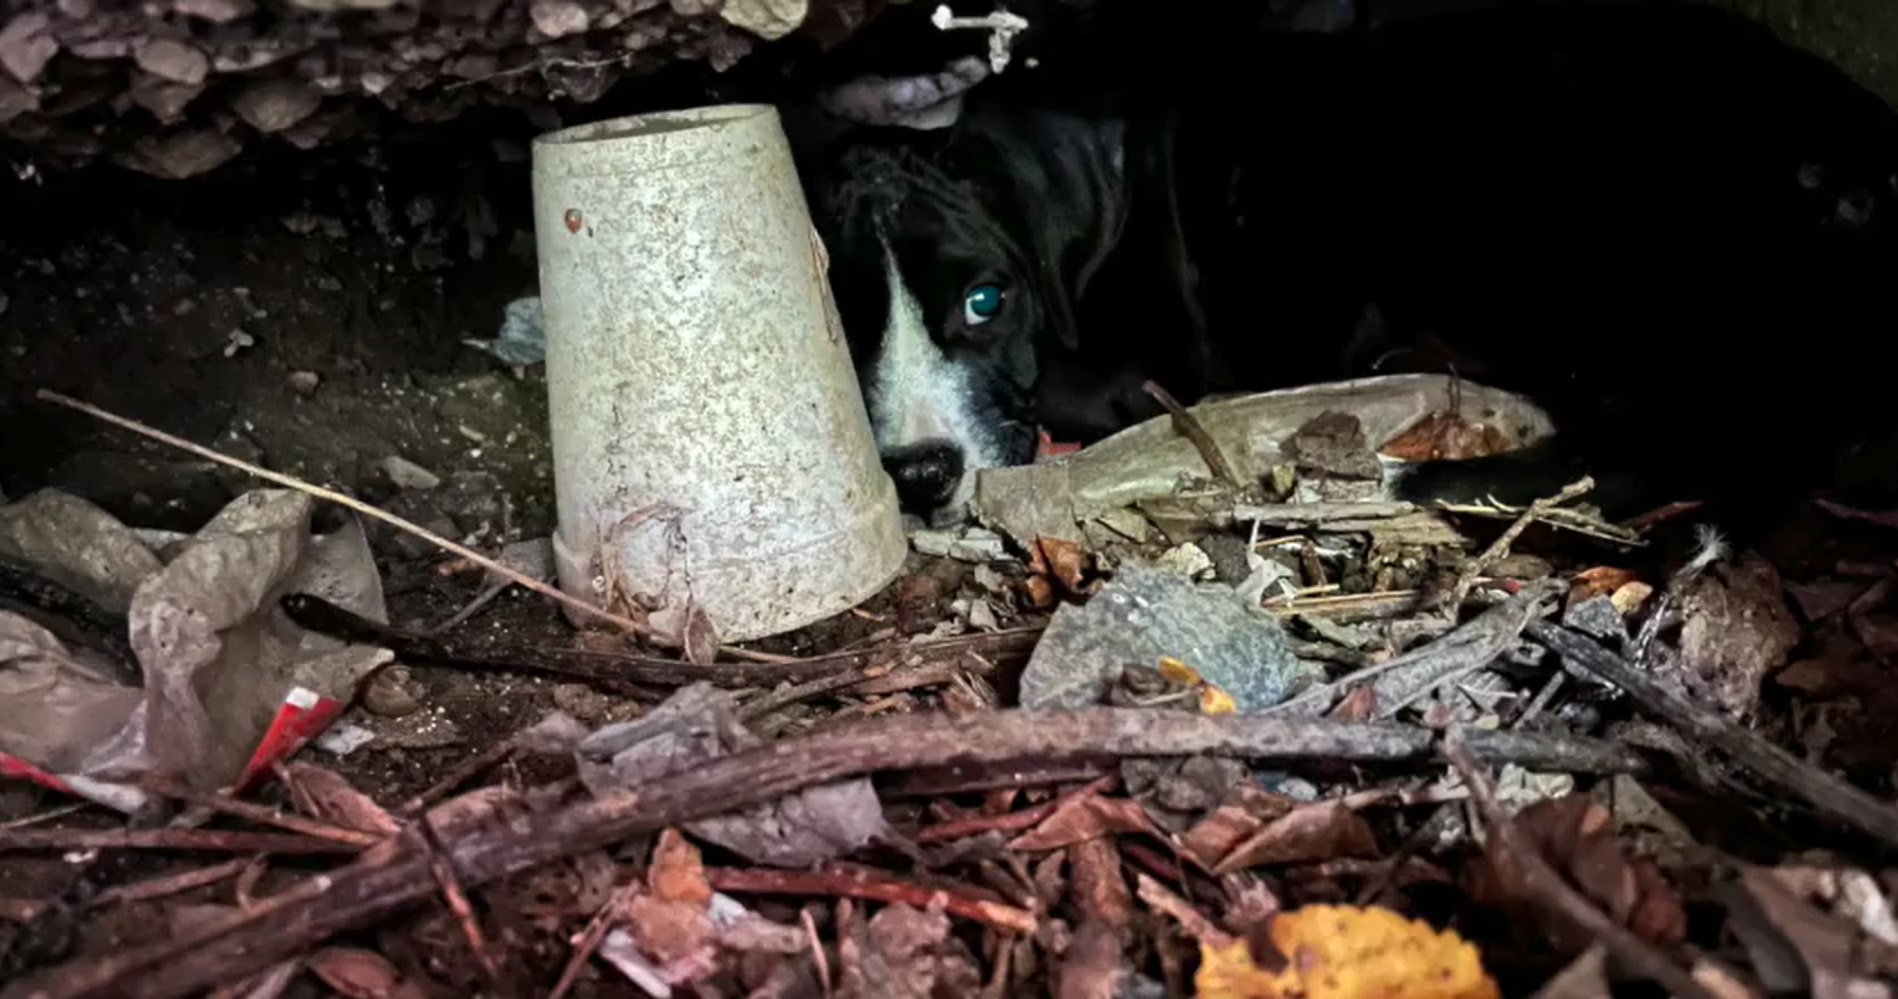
(216, 654)
(1070, 496)
(696, 724)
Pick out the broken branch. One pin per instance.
(1828, 794)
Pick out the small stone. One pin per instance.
(274, 105)
(408, 475)
(304, 382)
(215, 11)
(392, 693)
(1597, 617)
(27, 45)
(978, 545)
(1187, 560)
(558, 18)
(238, 340)
(583, 702)
(932, 542)
(172, 60)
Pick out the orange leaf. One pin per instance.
(1342, 952)
(1599, 581)
(1441, 436)
(678, 872)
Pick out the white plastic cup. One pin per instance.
(709, 438)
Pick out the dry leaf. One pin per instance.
(362, 974)
(1441, 436)
(1067, 562)
(1340, 952)
(324, 794)
(1358, 704)
(1600, 581)
(678, 872)
(1239, 817)
(1576, 835)
(1318, 831)
(1085, 817)
(669, 932)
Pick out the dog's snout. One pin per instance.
(926, 474)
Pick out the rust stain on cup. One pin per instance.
(573, 220)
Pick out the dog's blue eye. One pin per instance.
(982, 303)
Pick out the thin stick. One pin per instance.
(1550, 893)
(171, 884)
(1499, 549)
(168, 839)
(588, 942)
(290, 482)
(443, 869)
(263, 814)
(1189, 427)
(838, 881)
(463, 772)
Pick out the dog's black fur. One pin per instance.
(1670, 228)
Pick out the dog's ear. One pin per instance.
(1070, 175)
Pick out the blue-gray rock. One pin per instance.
(1146, 613)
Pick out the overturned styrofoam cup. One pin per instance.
(710, 442)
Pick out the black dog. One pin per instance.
(1670, 228)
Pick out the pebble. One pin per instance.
(304, 382)
(392, 693)
(408, 475)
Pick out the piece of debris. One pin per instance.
(523, 337)
(204, 620)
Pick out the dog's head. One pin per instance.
(956, 258)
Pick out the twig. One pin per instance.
(1309, 515)
(1553, 895)
(596, 931)
(41, 818)
(1468, 648)
(775, 700)
(1499, 548)
(975, 825)
(462, 773)
(261, 814)
(171, 884)
(833, 881)
(443, 869)
(1188, 426)
(395, 874)
(1197, 926)
(319, 615)
(291, 482)
(471, 608)
(168, 839)
(1828, 794)
(1347, 607)
(818, 959)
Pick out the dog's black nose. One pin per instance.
(926, 474)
